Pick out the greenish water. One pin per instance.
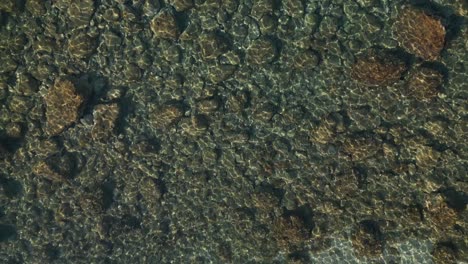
(232, 131)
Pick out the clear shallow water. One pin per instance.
(233, 131)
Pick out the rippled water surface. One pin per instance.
(233, 131)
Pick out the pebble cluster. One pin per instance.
(207, 131)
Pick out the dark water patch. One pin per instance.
(304, 213)
(52, 252)
(108, 188)
(11, 187)
(126, 109)
(7, 232)
(455, 199)
(9, 145)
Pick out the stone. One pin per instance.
(267, 24)
(294, 8)
(262, 7)
(444, 253)
(170, 52)
(105, 118)
(164, 25)
(361, 148)
(328, 27)
(306, 59)
(195, 125)
(36, 7)
(441, 217)
(289, 232)
(208, 106)
(150, 192)
(230, 58)
(81, 45)
(26, 84)
(376, 68)
(220, 72)
(111, 40)
(3, 90)
(42, 169)
(14, 130)
(7, 5)
(424, 83)
(43, 71)
(8, 65)
(367, 239)
(43, 44)
(132, 72)
(211, 45)
(181, 5)
(419, 33)
(111, 14)
(261, 51)
(20, 104)
(80, 12)
(324, 133)
(165, 116)
(63, 105)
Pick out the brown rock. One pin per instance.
(7, 5)
(376, 68)
(14, 130)
(441, 217)
(81, 45)
(80, 12)
(324, 133)
(306, 59)
(361, 148)
(43, 169)
(194, 126)
(290, 232)
(181, 5)
(63, 105)
(164, 25)
(36, 7)
(367, 239)
(261, 51)
(423, 84)
(165, 116)
(211, 45)
(444, 253)
(105, 117)
(151, 193)
(220, 72)
(261, 7)
(26, 84)
(419, 33)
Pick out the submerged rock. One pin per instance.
(290, 232)
(63, 104)
(42, 169)
(211, 45)
(105, 117)
(181, 5)
(36, 7)
(376, 68)
(419, 33)
(164, 25)
(261, 51)
(81, 45)
(423, 83)
(165, 116)
(367, 239)
(7, 5)
(80, 12)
